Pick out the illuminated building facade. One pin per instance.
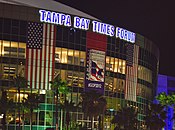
(87, 53)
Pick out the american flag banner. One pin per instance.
(96, 45)
(40, 54)
(131, 75)
(129, 54)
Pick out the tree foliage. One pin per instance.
(93, 103)
(6, 105)
(155, 117)
(31, 102)
(167, 100)
(59, 86)
(20, 82)
(125, 119)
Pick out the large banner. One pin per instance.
(95, 62)
(131, 72)
(40, 54)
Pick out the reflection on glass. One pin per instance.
(115, 65)
(145, 74)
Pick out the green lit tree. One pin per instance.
(155, 117)
(30, 104)
(58, 86)
(125, 119)
(93, 105)
(167, 100)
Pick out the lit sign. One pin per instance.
(84, 24)
(55, 18)
(81, 23)
(125, 35)
(103, 28)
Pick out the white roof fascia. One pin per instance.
(49, 5)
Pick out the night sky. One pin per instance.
(154, 19)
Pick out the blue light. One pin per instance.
(103, 28)
(81, 23)
(125, 35)
(55, 18)
(84, 24)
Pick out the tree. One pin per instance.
(155, 117)
(58, 86)
(68, 106)
(5, 106)
(93, 105)
(125, 119)
(31, 103)
(20, 82)
(166, 100)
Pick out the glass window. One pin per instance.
(123, 66)
(70, 56)
(81, 79)
(120, 85)
(82, 58)
(9, 71)
(116, 65)
(64, 55)
(14, 46)
(120, 66)
(63, 75)
(6, 45)
(22, 50)
(12, 49)
(57, 54)
(69, 77)
(108, 66)
(112, 63)
(7, 26)
(76, 57)
(23, 28)
(109, 83)
(1, 47)
(144, 74)
(74, 78)
(141, 90)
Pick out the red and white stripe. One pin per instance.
(131, 77)
(40, 62)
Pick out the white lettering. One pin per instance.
(125, 35)
(55, 18)
(92, 85)
(81, 23)
(103, 28)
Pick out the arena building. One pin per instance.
(39, 40)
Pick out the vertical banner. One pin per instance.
(95, 62)
(40, 54)
(131, 72)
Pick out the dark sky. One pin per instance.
(154, 19)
